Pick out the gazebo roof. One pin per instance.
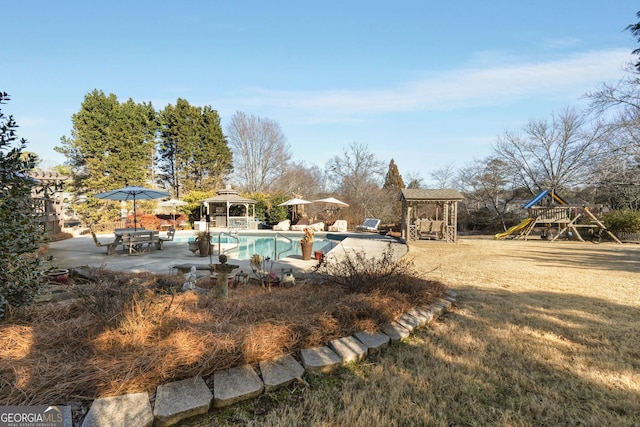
(419, 194)
(229, 195)
(232, 198)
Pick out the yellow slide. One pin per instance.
(515, 228)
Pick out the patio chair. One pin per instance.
(282, 225)
(111, 246)
(339, 225)
(171, 232)
(369, 224)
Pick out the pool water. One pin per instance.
(264, 246)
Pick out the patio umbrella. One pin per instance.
(332, 203)
(295, 202)
(172, 203)
(132, 193)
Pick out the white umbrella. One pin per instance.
(332, 203)
(132, 193)
(172, 203)
(295, 202)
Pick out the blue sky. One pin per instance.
(429, 84)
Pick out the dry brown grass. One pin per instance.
(544, 334)
(121, 336)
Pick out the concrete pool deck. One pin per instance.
(81, 251)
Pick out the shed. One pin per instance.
(228, 209)
(430, 214)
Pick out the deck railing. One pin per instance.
(550, 214)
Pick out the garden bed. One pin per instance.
(124, 333)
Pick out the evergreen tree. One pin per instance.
(20, 234)
(393, 180)
(111, 145)
(193, 151)
(635, 30)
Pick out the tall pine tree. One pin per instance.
(193, 151)
(111, 144)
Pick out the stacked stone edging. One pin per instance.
(184, 399)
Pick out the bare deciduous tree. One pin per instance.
(619, 104)
(488, 185)
(444, 177)
(553, 154)
(357, 175)
(299, 180)
(259, 151)
(617, 182)
(624, 94)
(414, 180)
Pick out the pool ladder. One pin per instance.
(220, 252)
(275, 245)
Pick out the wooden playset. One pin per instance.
(557, 218)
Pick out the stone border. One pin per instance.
(184, 399)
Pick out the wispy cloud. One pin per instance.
(473, 86)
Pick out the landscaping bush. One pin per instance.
(626, 221)
(21, 234)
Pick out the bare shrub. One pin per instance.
(114, 298)
(359, 273)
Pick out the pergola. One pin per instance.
(49, 205)
(219, 209)
(431, 214)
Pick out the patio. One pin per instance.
(82, 251)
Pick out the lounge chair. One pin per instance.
(300, 225)
(111, 246)
(282, 225)
(339, 225)
(317, 226)
(369, 224)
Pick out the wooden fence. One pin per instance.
(628, 237)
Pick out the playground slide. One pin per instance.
(513, 229)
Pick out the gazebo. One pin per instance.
(228, 209)
(431, 214)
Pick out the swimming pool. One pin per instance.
(247, 245)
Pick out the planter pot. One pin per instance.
(59, 276)
(204, 247)
(306, 250)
